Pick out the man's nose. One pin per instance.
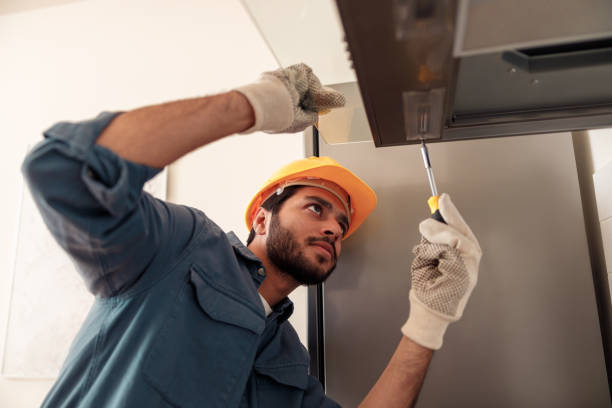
(332, 229)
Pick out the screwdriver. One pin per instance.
(433, 200)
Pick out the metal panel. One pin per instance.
(529, 336)
(489, 26)
(488, 85)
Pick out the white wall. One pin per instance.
(71, 61)
(601, 147)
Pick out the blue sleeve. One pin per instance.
(93, 203)
(314, 396)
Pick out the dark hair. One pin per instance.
(274, 204)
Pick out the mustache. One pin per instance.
(330, 241)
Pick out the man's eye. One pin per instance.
(315, 208)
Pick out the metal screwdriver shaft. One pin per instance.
(430, 175)
(433, 200)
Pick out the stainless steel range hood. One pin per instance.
(447, 69)
(426, 70)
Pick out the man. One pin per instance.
(187, 316)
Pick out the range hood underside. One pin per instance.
(502, 93)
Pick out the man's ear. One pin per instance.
(260, 225)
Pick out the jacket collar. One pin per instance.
(284, 308)
(241, 249)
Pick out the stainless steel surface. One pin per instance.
(531, 123)
(529, 335)
(561, 57)
(486, 85)
(424, 115)
(486, 26)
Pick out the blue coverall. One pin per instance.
(177, 320)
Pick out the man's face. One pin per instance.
(305, 236)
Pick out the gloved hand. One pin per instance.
(444, 273)
(288, 100)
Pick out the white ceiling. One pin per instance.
(15, 6)
(304, 31)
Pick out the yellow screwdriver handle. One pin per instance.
(435, 210)
(433, 203)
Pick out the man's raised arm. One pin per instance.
(281, 101)
(158, 135)
(444, 273)
(401, 381)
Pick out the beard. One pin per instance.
(286, 253)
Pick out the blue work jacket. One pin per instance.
(177, 320)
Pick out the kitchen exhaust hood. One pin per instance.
(448, 70)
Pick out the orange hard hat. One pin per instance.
(358, 198)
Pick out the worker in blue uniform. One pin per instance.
(185, 315)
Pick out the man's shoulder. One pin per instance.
(182, 215)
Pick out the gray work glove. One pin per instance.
(289, 100)
(444, 273)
